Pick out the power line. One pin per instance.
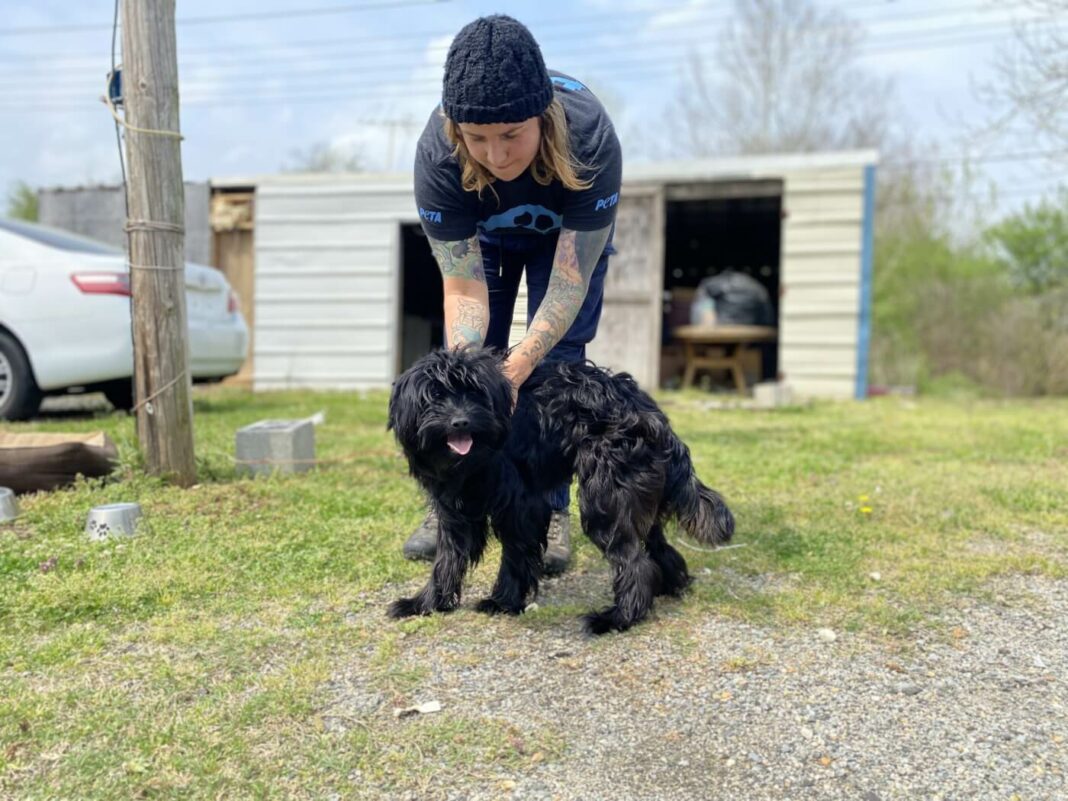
(898, 40)
(287, 92)
(312, 68)
(214, 52)
(931, 38)
(389, 41)
(652, 67)
(40, 30)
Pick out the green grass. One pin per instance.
(193, 660)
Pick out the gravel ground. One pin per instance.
(973, 708)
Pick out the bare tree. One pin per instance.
(784, 78)
(1030, 84)
(324, 157)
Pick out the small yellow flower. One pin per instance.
(865, 510)
(863, 499)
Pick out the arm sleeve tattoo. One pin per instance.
(466, 296)
(460, 259)
(577, 253)
(469, 322)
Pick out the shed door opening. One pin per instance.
(422, 326)
(709, 229)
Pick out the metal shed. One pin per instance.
(99, 212)
(345, 292)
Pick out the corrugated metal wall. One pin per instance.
(98, 212)
(328, 273)
(819, 315)
(327, 278)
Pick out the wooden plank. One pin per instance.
(628, 336)
(234, 256)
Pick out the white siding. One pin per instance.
(821, 280)
(519, 316)
(327, 262)
(821, 260)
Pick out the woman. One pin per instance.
(519, 167)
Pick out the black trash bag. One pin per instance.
(738, 299)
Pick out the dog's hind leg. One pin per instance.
(636, 578)
(674, 577)
(635, 582)
(618, 499)
(460, 543)
(521, 528)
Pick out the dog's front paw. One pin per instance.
(491, 606)
(406, 607)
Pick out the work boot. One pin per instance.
(558, 549)
(423, 544)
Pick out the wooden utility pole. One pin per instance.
(163, 396)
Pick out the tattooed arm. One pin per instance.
(466, 296)
(577, 253)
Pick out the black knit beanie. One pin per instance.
(495, 73)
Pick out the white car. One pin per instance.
(65, 319)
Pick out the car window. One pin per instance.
(53, 238)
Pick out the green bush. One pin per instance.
(22, 202)
(1032, 246)
(926, 292)
(988, 317)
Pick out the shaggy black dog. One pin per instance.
(477, 461)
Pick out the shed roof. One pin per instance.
(681, 170)
(762, 166)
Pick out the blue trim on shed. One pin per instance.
(867, 253)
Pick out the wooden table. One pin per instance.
(732, 340)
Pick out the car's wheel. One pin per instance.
(120, 394)
(19, 396)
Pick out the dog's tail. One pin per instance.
(699, 509)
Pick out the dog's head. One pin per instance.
(451, 409)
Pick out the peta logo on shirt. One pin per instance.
(607, 202)
(430, 216)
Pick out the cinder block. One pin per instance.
(286, 446)
(772, 394)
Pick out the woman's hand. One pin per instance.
(517, 370)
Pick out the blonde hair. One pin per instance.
(553, 160)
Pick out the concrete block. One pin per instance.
(772, 394)
(285, 446)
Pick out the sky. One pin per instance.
(363, 75)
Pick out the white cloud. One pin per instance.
(432, 65)
(623, 5)
(202, 83)
(79, 153)
(384, 129)
(235, 157)
(436, 50)
(677, 17)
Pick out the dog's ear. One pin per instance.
(496, 385)
(404, 404)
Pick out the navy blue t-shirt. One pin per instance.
(523, 206)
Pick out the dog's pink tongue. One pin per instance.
(461, 443)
